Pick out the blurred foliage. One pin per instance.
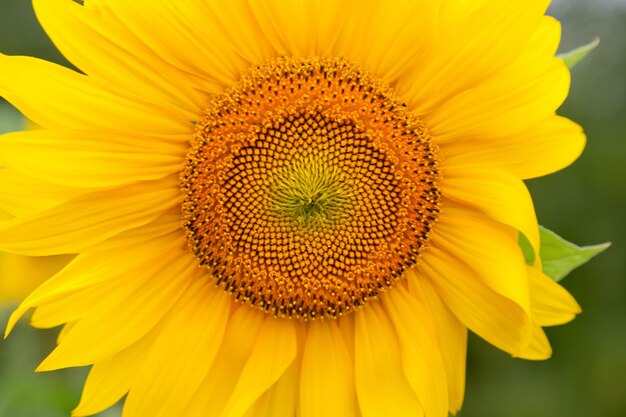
(10, 119)
(585, 204)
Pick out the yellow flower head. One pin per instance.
(286, 207)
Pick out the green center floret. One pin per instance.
(311, 192)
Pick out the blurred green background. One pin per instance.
(585, 204)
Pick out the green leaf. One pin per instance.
(10, 119)
(558, 256)
(573, 57)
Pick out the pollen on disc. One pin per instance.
(309, 188)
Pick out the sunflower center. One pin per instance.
(309, 188)
(309, 191)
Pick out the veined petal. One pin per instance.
(90, 270)
(488, 248)
(19, 274)
(346, 326)
(110, 379)
(515, 101)
(495, 318)
(391, 38)
(455, 12)
(280, 400)
(130, 311)
(240, 337)
(167, 223)
(273, 352)
(88, 219)
(539, 347)
(88, 158)
(21, 194)
(35, 86)
(244, 39)
(381, 385)
(327, 375)
(394, 39)
(195, 44)
(109, 53)
(421, 360)
(545, 41)
(497, 193)
(547, 147)
(288, 27)
(66, 328)
(472, 46)
(70, 307)
(451, 335)
(550, 303)
(187, 343)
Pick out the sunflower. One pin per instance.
(286, 208)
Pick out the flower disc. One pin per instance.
(309, 188)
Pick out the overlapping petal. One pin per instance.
(86, 220)
(89, 159)
(34, 87)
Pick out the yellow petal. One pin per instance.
(35, 87)
(288, 26)
(455, 12)
(538, 348)
(166, 224)
(108, 52)
(19, 275)
(88, 159)
(488, 248)
(550, 303)
(421, 359)
(327, 375)
(110, 379)
(346, 326)
(381, 385)
(244, 38)
(280, 400)
(497, 193)
(195, 44)
(20, 194)
(64, 330)
(547, 147)
(129, 311)
(73, 306)
(545, 41)
(273, 352)
(394, 40)
(187, 343)
(451, 335)
(89, 219)
(514, 101)
(396, 37)
(495, 318)
(471, 46)
(89, 270)
(239, 340)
